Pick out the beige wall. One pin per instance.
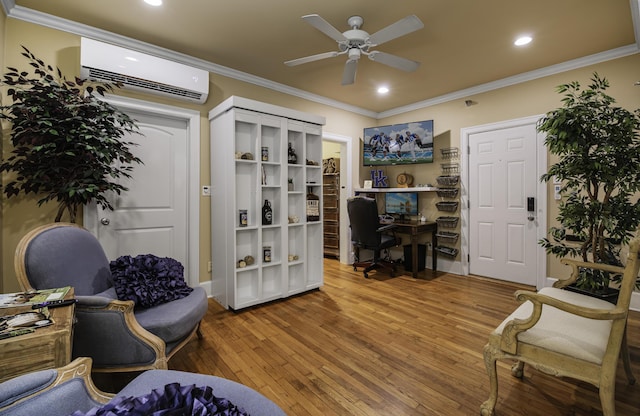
(522, 100)
(62, 49)
(534, 97)
(330, 149)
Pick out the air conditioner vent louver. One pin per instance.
(102, 75)
(139, 71)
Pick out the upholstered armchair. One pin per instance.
(69, 389)
(117, 336)
(367, 233)
(567, 334)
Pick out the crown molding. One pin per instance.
(517, 79)
(47, 20)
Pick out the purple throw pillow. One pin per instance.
(148, 280)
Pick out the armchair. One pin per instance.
(69, 389)
(367, 233)
(110, 331)
(567, 334)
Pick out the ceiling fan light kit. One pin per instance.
(356, 42)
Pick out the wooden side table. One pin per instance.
(47, 347)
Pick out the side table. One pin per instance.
(47, 347)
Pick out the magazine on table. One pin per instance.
(9, 300)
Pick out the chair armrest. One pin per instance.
(108, 331)
(575, 269)
(509, 341)
(71, 387)
(81, 368)
(386, 227)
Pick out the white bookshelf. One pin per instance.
(241, 180)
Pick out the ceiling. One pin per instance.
(464, 43)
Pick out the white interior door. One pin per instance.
(152, 216)
(503, 232)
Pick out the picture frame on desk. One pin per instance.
(367, 184)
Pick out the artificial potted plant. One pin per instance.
(598, 164)
(67, 143)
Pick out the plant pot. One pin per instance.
(610, 294)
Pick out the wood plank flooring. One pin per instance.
(387, 346)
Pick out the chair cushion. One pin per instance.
(563, 332)
(174, 320)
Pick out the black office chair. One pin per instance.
(367, 233)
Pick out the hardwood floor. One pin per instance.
(387, 346)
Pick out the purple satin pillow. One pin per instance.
(173, 400)
(148, 280)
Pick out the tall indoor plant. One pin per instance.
(598, 163)
(67, 142)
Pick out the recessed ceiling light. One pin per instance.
(523, 40)
(154, 2)
(383, 90)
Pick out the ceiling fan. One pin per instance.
(356, 42)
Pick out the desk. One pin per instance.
(414, 229)
(47, 347)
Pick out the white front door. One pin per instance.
(503, 229)
(160, 212)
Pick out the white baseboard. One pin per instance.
(455, 267)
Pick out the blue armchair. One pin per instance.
(69, 389)
(110, 331)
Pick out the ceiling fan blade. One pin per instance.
(324, 27)
(394, 61)
(349, 74)
(400, 28)
(311, 58)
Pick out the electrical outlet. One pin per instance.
(206, 190)
(209, 267)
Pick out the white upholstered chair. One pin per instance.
(567, 334)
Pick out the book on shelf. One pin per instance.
(9, 300)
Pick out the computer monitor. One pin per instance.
(401, 204)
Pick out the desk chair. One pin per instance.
(367, 233)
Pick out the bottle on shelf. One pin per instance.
(313, 205)
(292, 157)
(267, 213)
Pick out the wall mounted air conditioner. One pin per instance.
(101, 61)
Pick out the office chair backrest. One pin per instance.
(364, 220)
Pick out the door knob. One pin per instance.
(105, 221)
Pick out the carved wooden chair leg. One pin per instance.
(486, 409)
(517, 370)
(625, 359)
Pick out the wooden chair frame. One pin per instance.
(506, 345)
